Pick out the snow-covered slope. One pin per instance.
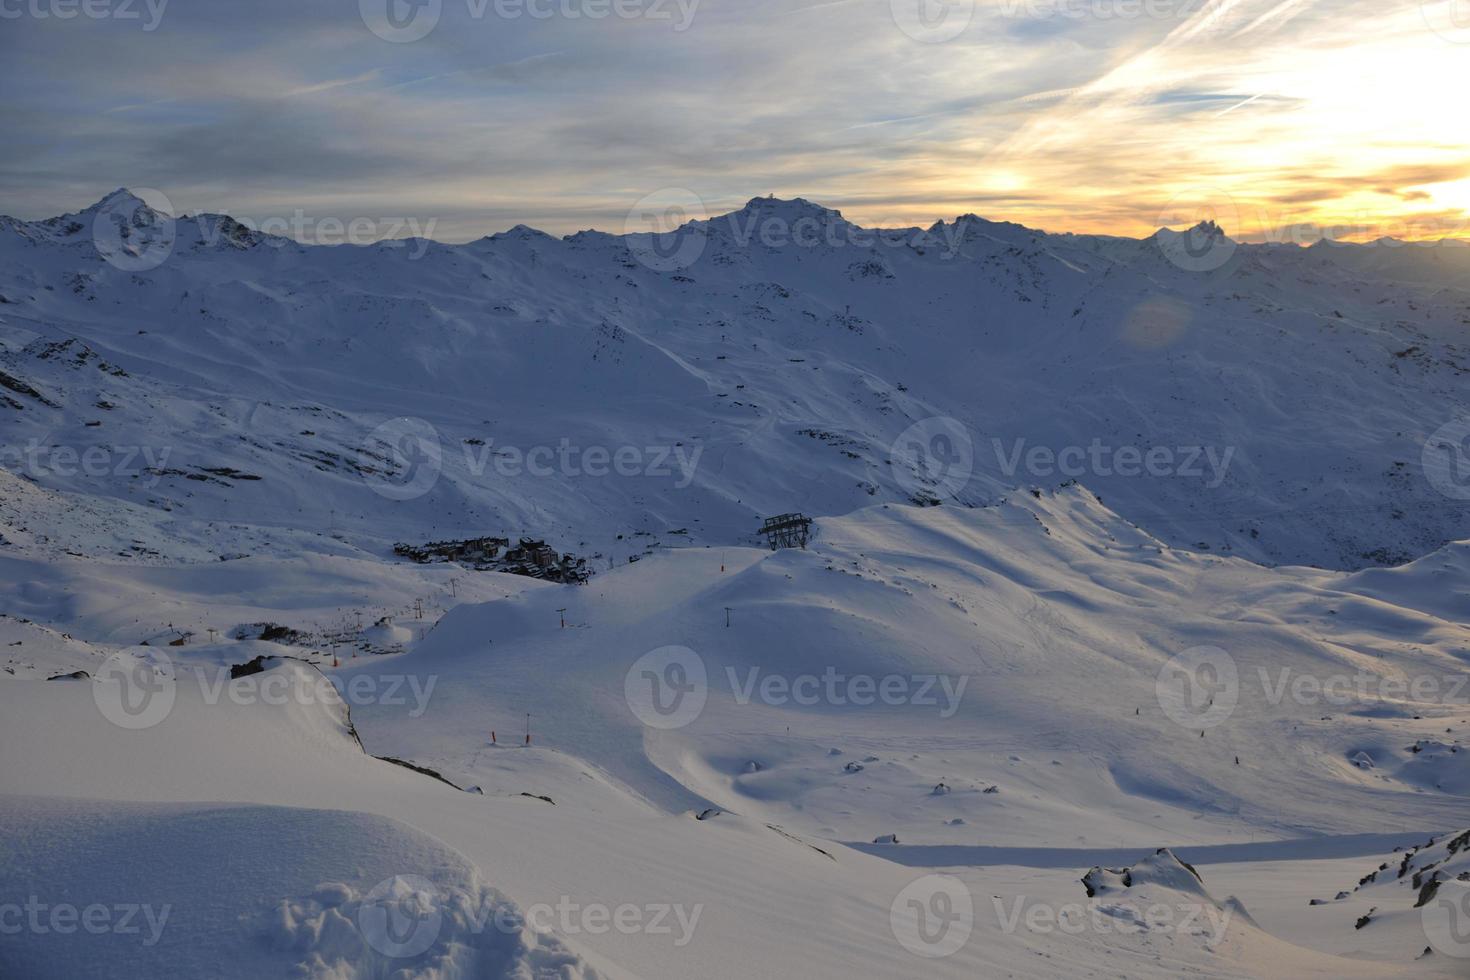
(769, 360)
(327, 870)
(1027, 644)
(988, 690)
(1413, 903)
(228, 707)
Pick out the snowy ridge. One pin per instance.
(775, 367)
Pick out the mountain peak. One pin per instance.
(520, 233)
(1207, 231)
(1208, 228)
(790, 209)
(121, 201)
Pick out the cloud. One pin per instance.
(1081, 115)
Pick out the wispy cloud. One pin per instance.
(1279, 112)
(368, 76)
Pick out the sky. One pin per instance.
(1284, 120)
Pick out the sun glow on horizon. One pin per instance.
(1288, 123)
(1289, 119)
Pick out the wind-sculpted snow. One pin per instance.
(315, 894)
(1282, 404)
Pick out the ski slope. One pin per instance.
(242, 738)
(1057, 612)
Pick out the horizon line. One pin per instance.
(714, 214)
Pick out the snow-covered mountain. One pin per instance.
(1274, 402)
(1048, 692)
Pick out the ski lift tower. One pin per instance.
(787, 531)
